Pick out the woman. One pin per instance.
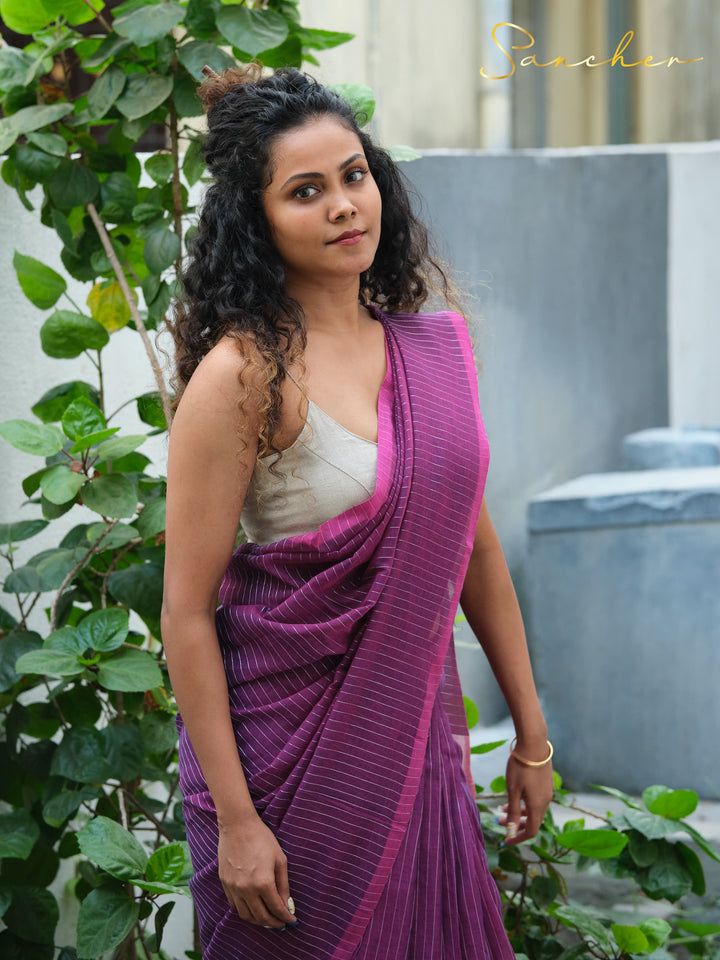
(323, 745)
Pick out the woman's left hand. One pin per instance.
(530, 791)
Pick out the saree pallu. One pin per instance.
(345, 698)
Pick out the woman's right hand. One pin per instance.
(253, 872)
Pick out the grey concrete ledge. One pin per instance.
(601, 149)
(664, 447)
(628, 497)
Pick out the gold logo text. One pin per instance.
(591, 61)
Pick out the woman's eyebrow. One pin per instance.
(314, 175)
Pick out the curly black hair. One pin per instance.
(233, 283)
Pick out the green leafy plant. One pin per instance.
(641, 844)
(88, 762)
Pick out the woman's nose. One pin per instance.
(340, 205)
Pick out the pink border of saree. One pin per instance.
(356, 927)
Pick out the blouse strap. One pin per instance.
(295, 382)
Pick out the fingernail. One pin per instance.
(291, 905)
(512, 830)
(497, 820)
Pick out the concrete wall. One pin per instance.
(693, 327)
(625, 618)
(591, 278)
(570, 248)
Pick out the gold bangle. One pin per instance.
(531, 763)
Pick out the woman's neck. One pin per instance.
(332, 306)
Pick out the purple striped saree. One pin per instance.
(345, 696)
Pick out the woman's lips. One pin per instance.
(349, 238)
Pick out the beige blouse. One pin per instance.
(327, 470)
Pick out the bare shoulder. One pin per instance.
(219, 416)
(228, 373)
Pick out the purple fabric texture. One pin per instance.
(345, 697)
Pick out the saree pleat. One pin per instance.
(440, 901)
(345, 699)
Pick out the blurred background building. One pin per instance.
(423, 61)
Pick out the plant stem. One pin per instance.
(483, 797)
(103, 796)
(72, 301)
(171, 792)
(98, 15)
(21, 621)
(135, 313)
(166, 811)
(588, 813)
(521, 905)
(123, 808)
(23, 613)
(176, 188)
(559, 880)
(146, 813)
(66, 75)
(127, 949)
(63, 721)
(81, 562)
(30, 608)
(91, 358)
(101, 386)
(142, 940)
(135, 542)
(121, 407)
(136, 278)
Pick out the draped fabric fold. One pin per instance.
(345, 696)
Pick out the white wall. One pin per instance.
(27, 372)
(423, 62)
(693, 310)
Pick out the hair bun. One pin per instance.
(215, 85)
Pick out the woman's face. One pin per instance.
(322, 203)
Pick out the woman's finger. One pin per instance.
(514, 815)
(280, 906)
(534, 821)
(244, 908)
(283, 887)
(535, 787)
(262, 913)
(251, 907)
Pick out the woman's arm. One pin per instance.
(210, 461)
(489, 602)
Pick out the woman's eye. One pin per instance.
(304, 193)
(355, 175)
